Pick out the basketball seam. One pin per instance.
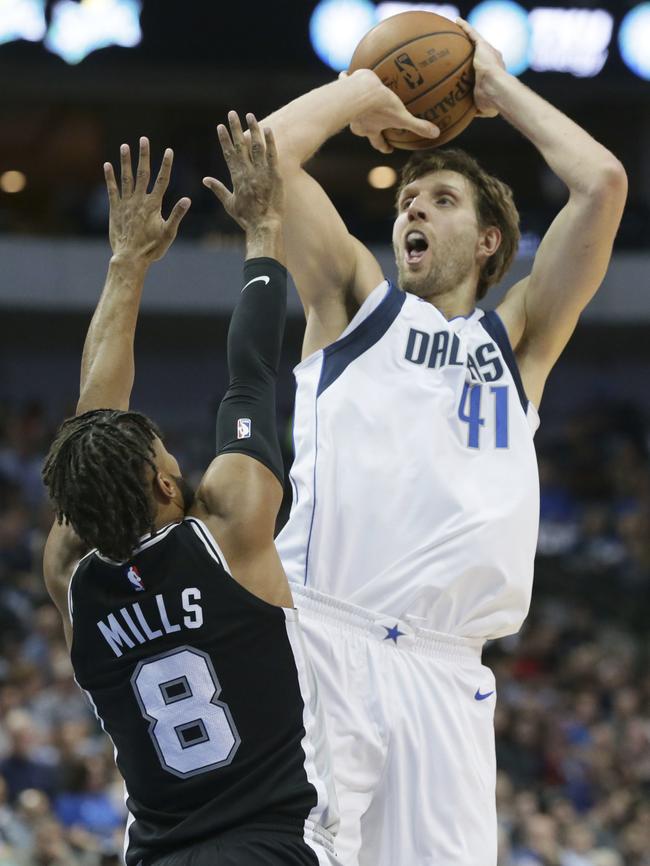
(412, 141)
(442, 80)
(416, 39)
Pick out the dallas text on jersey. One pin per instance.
(438, 350)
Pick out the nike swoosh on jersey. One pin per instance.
(479, 697)
(266, 281)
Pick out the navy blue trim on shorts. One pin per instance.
(339, 355)
(496, 329)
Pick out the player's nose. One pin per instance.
(416, 210)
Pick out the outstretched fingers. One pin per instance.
(178, 212)
(237, 133)
(143, 171)
(222, 192)
(227, 147)
(271, 149)
(162, 180)
(257, 144)
(125, 170)
(111, 184)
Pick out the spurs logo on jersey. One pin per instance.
(415, 477)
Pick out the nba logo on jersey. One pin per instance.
(243, 428)
(134, 576)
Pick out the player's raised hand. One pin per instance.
(487, 60)
(136, 225)
(387, 111)
(257, 190)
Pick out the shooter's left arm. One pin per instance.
(541, 312)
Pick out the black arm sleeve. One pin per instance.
(246, 422)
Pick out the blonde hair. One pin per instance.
(493, 199)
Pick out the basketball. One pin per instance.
(427, 61)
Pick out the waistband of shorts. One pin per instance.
(392, 631)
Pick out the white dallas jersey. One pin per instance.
(415, 487)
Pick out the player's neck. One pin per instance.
(460, 301)
(170, 513)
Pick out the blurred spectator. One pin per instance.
(22, 769)
(51, 849)
(85, 805)
(13, 832)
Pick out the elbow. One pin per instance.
(610, 181)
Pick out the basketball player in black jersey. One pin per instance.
(176, 608)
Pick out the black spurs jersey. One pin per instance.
(204, 690)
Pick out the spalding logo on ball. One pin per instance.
(427, 61)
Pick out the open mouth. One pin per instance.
(416, 247)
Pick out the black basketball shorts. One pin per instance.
(253, 848)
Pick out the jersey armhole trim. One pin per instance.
(494, 326)
(339, 355)
(213, 549)
(73, 574)
(209, 541)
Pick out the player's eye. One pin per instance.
(444, 200)
(406, 202)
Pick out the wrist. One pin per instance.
(129, 262)
(361, 91)
(265, 239)
(495, 82)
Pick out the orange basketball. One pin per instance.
(427, 61)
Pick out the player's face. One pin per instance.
(168, 464)
(436, 234)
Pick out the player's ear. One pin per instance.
(164, 486)
(489, 242)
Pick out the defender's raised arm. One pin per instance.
(139, 235)
(241, 492)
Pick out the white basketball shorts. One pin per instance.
(410, 723)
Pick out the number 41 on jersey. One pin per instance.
(493, 401)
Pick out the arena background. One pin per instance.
(573, 718)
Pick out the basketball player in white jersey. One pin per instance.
(413, 529)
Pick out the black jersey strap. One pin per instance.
(246, 422)
(492, 323)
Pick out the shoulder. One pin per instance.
(63, 551)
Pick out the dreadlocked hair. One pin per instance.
(493, 200)
(96, 475)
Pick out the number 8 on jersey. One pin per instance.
(191, 730)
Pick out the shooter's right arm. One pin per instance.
(330, 266)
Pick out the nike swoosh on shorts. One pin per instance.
(479, 697)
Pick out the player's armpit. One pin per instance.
(242, 496)
(512, 312)
(238, 499)
(63, 550)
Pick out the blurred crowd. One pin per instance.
(573, 716)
